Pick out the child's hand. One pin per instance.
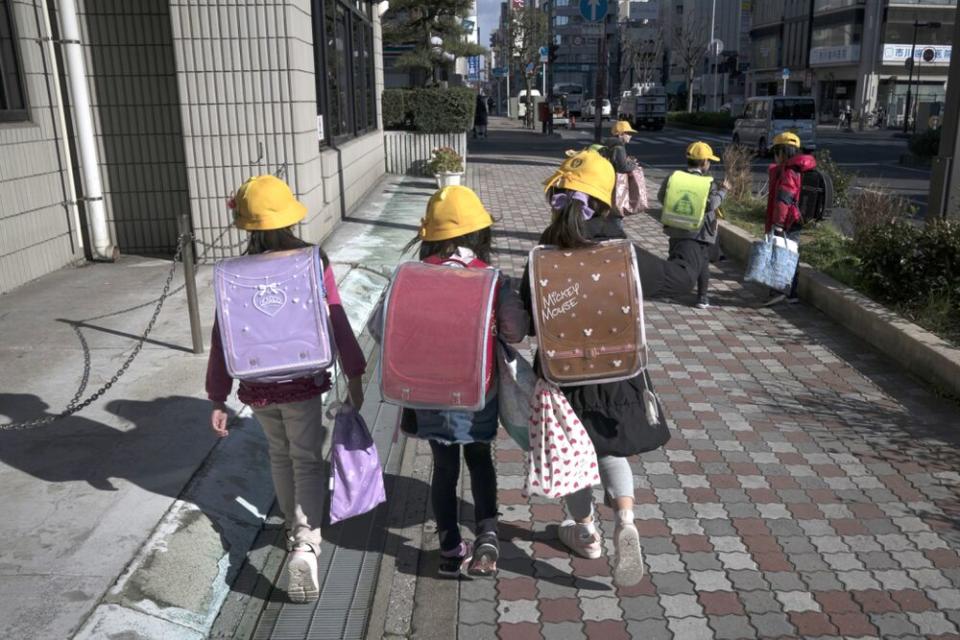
(355, 392)
(218, 420)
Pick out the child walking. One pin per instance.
(456, 232)
(695, 246)
(290, 413)
(614, 414)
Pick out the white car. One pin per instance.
(590, 110)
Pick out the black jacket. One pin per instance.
(617, 155)
(614, 413)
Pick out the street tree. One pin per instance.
(690, 42)
(412, 23)
(526, 32)
(643, 53)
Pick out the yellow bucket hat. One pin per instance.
(263, 203)
(787, 138)
(586, 171)
(622, 126)
(701, 151)
(452, 212)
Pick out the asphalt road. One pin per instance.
(872, 156)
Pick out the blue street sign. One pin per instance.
(785, 74)
(593, 10)
(544, 51)
(473, 67)
(499, 72)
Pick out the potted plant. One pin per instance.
(446, 165)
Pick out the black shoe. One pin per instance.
(486, 552)
(452, 566)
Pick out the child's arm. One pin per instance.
(513, 321)
(351, 356)
(219, 384)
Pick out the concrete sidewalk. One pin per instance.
(130, 518)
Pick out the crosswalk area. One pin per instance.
(675, 137)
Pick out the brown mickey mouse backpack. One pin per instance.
(588, 311)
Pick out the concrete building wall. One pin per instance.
(133, 92)
(37, 234)
(246, 76)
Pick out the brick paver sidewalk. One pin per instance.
(806, 492)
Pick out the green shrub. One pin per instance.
(713, 119)
(841, 179)
(432, 110)
(926, 144)
(443, 110)
(829, 251)
(902, 262)
(445, 159)
(394, 108)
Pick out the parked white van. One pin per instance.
(766, 117)
(522, 102)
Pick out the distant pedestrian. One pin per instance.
(700, 197)
(783, 198)
(615, 147)
(291, 411)
(456, 233)
(480, 116)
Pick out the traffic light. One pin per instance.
(552, 57)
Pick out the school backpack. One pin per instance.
(685, 201)
(438, 336)
(816, 195)
(273, 317)
(588, 313)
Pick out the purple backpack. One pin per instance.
(272, 311)
(356, 480)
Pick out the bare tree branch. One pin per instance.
(690, 41)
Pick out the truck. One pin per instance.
(644, 106)
(574, 96)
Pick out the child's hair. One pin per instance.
(694, 164)
(568, 226)
(785, 150)
(279, 240)
(480, 242)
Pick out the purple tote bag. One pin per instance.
(356, 479)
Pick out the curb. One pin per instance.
(925, 355)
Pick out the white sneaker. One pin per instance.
(582, 539)
(777, 299)
(303, 585)
(628, 558)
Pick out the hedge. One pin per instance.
(713, 119)
(433, 110)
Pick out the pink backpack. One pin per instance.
(272, 312)
(437, 350)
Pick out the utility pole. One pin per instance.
(548, 74)
(601, 83)
(716, 53)
(945, 179)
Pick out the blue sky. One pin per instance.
(488, 11)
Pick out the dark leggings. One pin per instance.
(443, 492)
(687, 266)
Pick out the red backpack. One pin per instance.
(439, 334)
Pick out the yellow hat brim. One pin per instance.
(290, 216)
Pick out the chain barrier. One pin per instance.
(75, 404)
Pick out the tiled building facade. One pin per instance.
(189, 98)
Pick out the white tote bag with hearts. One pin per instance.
(561, 459)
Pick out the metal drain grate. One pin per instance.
(348, 567)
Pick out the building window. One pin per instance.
(561, 21)
(13, 99)
(346, 82)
